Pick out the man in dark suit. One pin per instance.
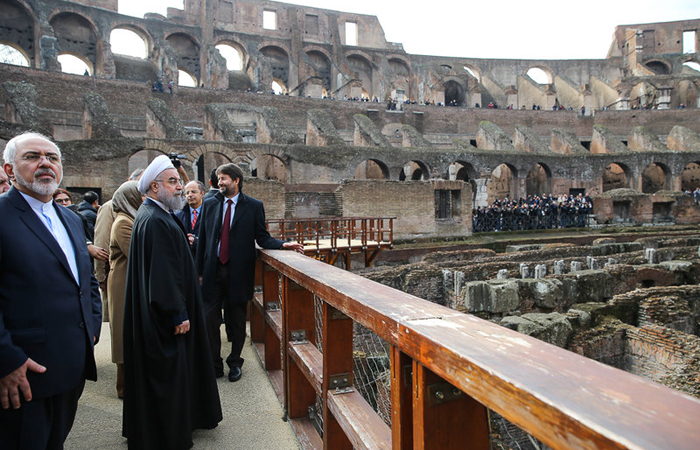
(226, 262)
(189, 215)
(50, 308)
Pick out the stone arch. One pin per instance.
(534, 70)
(187, 49)
(319, 65)
(414, 171)
(362, 69)
(472, 71)
(71, 63)
(278, 60)
(77, 35)
(372, 169)
(455, 92)
(690, 177)
(400, 73)
(616, 176)
(269, 167)
(142, 156)
(502, 183)
(539, 180)
(15, 56)
(655, 177)
(463, 171)
(237, 46)
(659, 67)
(138, 31)
(17, 28)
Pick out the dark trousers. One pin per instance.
(234, 319)
(40, 424)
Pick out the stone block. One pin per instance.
(493, 296)
(553, 328)
(546, 293)
(588, 286)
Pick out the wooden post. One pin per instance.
(401, 400)
(444, 417)
(337, 371)
(298, 317)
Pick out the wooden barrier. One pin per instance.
(447, 370)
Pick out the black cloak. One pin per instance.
(169, 382)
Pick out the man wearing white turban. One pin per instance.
(169, 383)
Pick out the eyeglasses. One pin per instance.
(34, 157)
(171, 181)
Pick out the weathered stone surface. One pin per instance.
(566, 143)
(588, 285)
(412, 138)
(162, 123)
(491, 137)
(218, 125)
(553, 328)
(493, 296)
(642, 139)
(546, 293)
(320, 130)
(367, 134)
(22, 106)
(683, 139)
(526, 139)
(604, 142)
(98, 124)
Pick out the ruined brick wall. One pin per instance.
(412, 204)
(271, 193)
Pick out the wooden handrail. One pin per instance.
(563, 399)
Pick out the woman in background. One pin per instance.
(125, 202)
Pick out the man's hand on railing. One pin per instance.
(297, 247)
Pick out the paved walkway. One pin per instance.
(252, 412)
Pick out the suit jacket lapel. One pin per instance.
(241, 207)
(35, 226)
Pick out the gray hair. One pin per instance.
(11, 147)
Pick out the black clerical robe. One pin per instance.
(169, 382)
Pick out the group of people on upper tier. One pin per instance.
(167, 271)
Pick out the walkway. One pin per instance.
(252, 412)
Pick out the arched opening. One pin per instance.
(658, 67)
(278, 87)
(269, 167)
(615, 177)
(692, 65)
(362, 71)
(320, 67)
(188, 56)
(654, 178)
(206, 163)
(186, 79)
(16, 34)
(372, 169)
(473, 73)
(462, 171)
(502, 183)
(454, 93)
(278, 62)
(232, 55)
(539, 76)
(539, 180)
(414, 171)
(76, 37)
(74, 64)
(127, 42)
(690, 177)
(10, 54)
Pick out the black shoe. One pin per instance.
(219, 373)
(235, 374)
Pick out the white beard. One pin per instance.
(39, 187)
(174, 202)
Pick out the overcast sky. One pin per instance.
(512, 29)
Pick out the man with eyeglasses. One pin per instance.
(169, 384)
(4, 182)
(50, 309)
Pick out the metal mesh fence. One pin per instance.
(371, 370)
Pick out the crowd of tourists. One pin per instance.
(533, 213)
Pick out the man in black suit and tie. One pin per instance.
(50, 308)
(189, 214)
(226, 262)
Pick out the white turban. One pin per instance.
(154, 169)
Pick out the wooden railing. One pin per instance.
(448, 370)
(329, 238)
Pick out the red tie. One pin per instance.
(194, 218)
(225, 229)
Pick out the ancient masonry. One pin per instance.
(360, 131)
